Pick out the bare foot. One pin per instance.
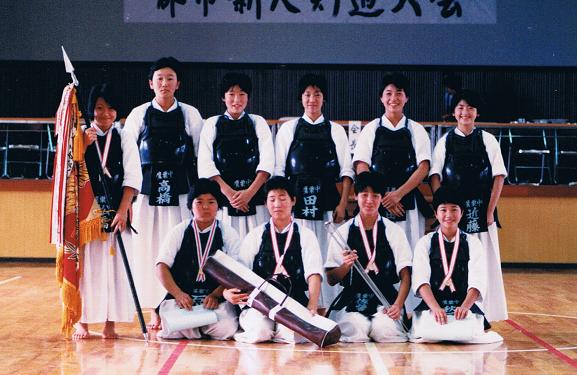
(81, 332)
(154, 323)
(108, 331)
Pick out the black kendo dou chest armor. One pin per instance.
(467, 168)
(312, 165)
(394, 158)
(184, 270)
(236, 156)
(114, 183)
(264, 262)
(166, 154)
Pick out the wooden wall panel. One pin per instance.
(537, 228)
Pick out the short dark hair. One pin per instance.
(372, 180)
(204, 186)
(279, 183)
(472, 98)
(166, 62)
(447, 195)
(315, 80)
(106, 92)
(235, 79)
(400, 81)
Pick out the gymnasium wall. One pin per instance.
(33, 88)
(487, 33)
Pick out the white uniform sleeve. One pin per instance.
(311, 253)
(400, 245)
(335, 252)
(130, 162)
(206, 166)
(342, 147)
(494, 152)
(250, 246)
(477, 267)
(438, 162)
(421, 142)
(365, 142)
(171, 244)
(231, 240)
(134, 123)
(421, 265)
(283, 141)
(265, 145)
(192, 124)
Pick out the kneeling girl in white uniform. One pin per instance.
(183, 254)
(449, 273)
(279, 246)
(382, 248)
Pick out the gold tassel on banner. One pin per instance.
(91, 230)
(59, 258)
(72, 311)
(78, 148)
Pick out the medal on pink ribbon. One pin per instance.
(280, 258)
(371, 254)
(448, 268)
(103, 156)
(202, 254)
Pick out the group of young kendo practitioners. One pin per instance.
(191, 187)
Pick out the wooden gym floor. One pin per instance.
(540, 338)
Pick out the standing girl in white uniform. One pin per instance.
(469, 160)
(400, 150)
(236, 150)
(313, 153)
(167, 133)
(104, 285)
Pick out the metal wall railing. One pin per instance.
(27, 147)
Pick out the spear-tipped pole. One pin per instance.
(70, 69)
(336, 235)
(68, 66)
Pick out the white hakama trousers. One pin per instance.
(355, 327)
(223, 329)
(494, 304)
(259, 328)
(328, 293)
(244, 224)
(104, 285)
(414, 228)
(152, 224)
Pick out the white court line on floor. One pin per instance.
(10, 279)
(543, 314)
(293, 349)
(290, 348)
(376, 359)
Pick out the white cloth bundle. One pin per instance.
(175, 318)
(469, 330)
